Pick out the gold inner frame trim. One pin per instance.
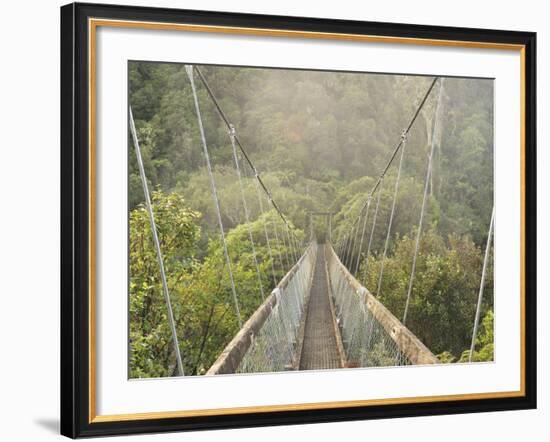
(93, 24)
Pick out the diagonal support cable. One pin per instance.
(372, 233)
(242, 149)
(246, 212)
(157, 245)
(404, 134)
(366, 217)
(390, 222)
(422, 209)
(356, 236)
(189, 70)
(266, 233)
(482, 284)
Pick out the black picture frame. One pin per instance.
(75, 220)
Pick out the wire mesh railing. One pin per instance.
(371, 335)
(267, 341)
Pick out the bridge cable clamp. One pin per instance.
(232, 131)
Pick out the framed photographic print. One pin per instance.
(278, 220)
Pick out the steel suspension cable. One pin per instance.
(260, 185)
(355, 239)
(482, 285)
(189, 70)
(292, 250)
(362, 236)
(276, 243)
(267, 239)
(388, 234)
(239, 144)
(398, 147)
(246, 213)
(281, 241)
(156, 242)
(372, 233)
(338, 246)
(422, 209)
(350, 245)
(297, 256)
(339, 242)
(295, 245)
(343, 246)
(405, 134)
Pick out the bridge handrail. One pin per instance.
(230, 358)
(408, 343)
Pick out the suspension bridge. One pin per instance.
(319, 315)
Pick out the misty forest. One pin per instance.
(319, 140)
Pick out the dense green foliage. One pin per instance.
(200, 290)
(319, 140)
(445, 288)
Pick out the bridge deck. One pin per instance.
(319, 349)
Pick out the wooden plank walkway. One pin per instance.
(319, 349)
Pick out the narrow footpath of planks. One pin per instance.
(319, 348)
